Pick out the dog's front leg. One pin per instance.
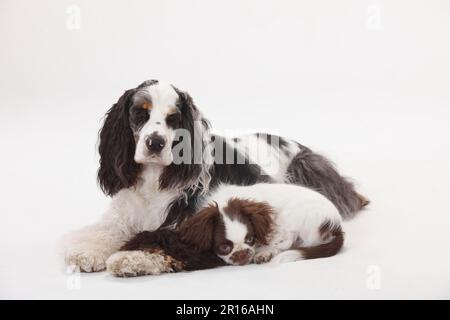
(142, 262)
(89, 248)
(144, 255)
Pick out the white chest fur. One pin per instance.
(144, 207)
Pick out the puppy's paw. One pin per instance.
(263, 256)
(138, 263)
(88, 260)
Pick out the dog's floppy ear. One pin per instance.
(193, 122)
(259, 214)
(192, 170)
(117, 146)
(198, 230)
(186, 103)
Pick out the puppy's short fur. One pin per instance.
(244, 224)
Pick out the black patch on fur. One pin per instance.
(173, 120)
(239, 174)
(275, 141)
(138, 117)
(176, 175)
(182, 208)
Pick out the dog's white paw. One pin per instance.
(138, 263)
(89, 260)
(263, 256)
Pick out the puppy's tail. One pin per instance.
(332, 234)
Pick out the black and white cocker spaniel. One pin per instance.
(159, 163)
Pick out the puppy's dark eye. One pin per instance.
(250, 241)
(173, 119)
(225, 249)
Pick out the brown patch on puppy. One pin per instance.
(176, 255)
(199, 229)
(256, 215)
(333, 236)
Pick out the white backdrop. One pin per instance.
(364, 82)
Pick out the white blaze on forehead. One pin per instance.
(163, 95)
(235, 231)
(163, 102)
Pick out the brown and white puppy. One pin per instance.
(242, 224)
(266, 221)
(231, 232)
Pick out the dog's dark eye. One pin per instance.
(250, 240)
(225, 249)
(173, 119)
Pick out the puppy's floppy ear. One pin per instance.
(259, 214)
(117, 146)
(198, 230)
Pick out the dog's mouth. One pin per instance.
(155, 159)
(162, 158)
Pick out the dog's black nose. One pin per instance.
(155, 143)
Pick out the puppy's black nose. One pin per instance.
(155, 143)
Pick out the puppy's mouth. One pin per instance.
(241, 258)
(242, 262)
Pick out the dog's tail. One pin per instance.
(317, 172)
(334, 240)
